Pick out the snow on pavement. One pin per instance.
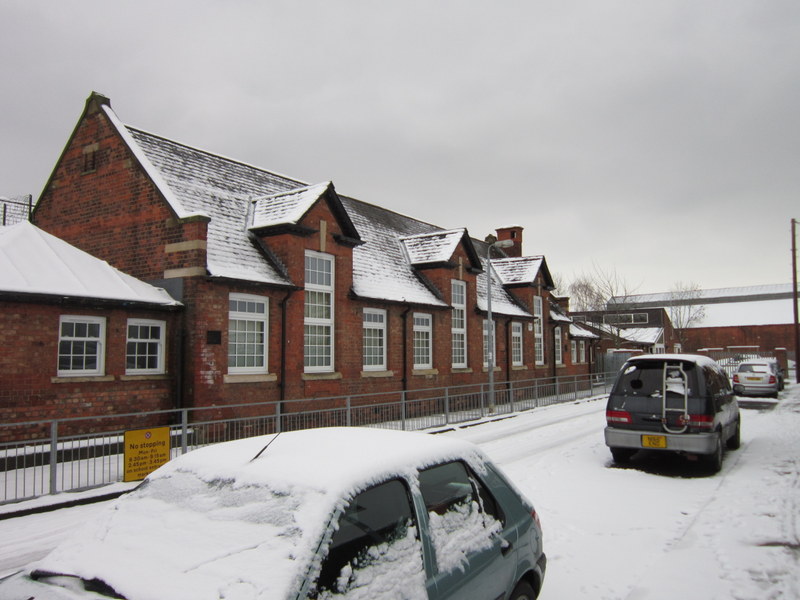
(659, 529)
(663, 528)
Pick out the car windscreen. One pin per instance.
(199, 537)
(646, 379)
(753, 368)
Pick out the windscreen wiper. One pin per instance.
(98, 586)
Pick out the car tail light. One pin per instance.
(699, 421)
(735, 378)
(772, 378)
(618, 416)
(535, 517)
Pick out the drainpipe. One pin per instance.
(404, 316)
(282, 383)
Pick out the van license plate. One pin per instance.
(654, 441)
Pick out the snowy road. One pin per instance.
(661, 529)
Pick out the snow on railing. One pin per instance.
(62, 460)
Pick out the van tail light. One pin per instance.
(735, 378)
(772, 379)
(619, 416)
(699, 421)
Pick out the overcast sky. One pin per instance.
(659, 140)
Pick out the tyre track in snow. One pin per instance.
(539, 431)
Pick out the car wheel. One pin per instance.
(523, 591)
(622, 455)
(736, 439)
(714, 460)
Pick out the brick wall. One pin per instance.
(113, 211)
(766, 337)
(30, 388)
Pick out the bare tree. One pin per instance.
(606, 292)
(584, 295)
(684, 308)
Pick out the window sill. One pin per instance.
(377, 373)
(496, 369)
(519, 368)
(144, 377)
(249, 377)
(81, 378)
(320, 376)
(461, 370)
(425, 372)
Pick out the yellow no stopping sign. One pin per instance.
(145, 451)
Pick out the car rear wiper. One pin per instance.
(98, 586)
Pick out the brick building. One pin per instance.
(78, 336)
(292, 290)
(757, 317)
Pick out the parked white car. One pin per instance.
(328, 513)
(757, 378)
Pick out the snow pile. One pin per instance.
(462, 530)
(398, 574)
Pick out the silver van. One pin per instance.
(672, 403)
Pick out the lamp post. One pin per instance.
(794, 305)
(490, 324)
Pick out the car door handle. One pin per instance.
(505, 546)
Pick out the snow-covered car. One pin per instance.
(675, 403)
(757, 378)
(350, 513)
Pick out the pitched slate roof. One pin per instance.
(434, 247)
(577, 331)
(34, 262)
(237, 198)
(502, 302)
(286, 207)
(723, 307)
(518, 270)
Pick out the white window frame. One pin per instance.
(557, 349)
(422, 340)
(255, 318)
(374, 329)
(517, 358)
(146, 347)
(573, 351)
(458, 301)
(582, 351)
(486, 343)
(314, 324)
(75, 339)
(538, 331)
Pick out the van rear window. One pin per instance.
(646, 378)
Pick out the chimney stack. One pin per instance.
(513, 233)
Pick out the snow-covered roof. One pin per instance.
(642, 335)
(518, 270)
(34, 262)
(237, 198)
(286, 207)
(502, 302)
(763, 312)
(725, 307)
(209, 521)
(434, 247)
(734, 294)
(576, 331)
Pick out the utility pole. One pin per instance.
(794, 305)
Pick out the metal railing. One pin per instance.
(80, 453)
